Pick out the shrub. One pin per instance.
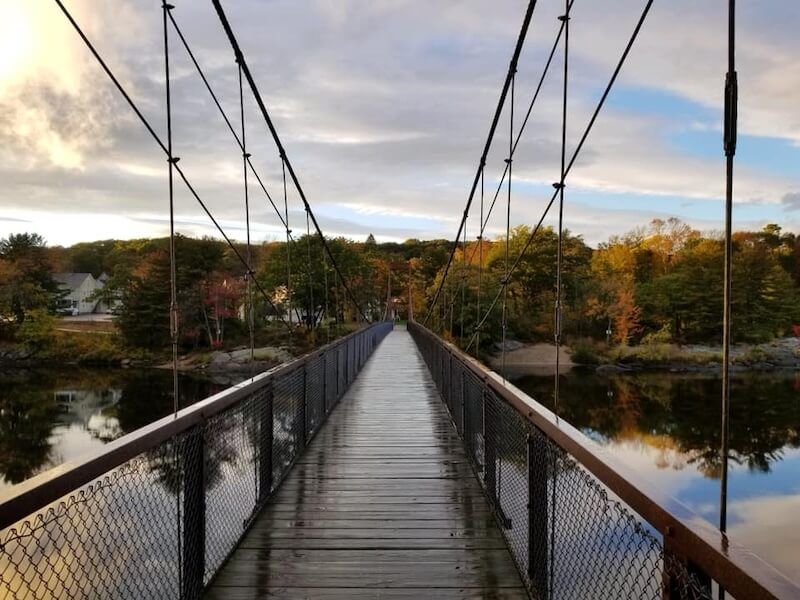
(36, 332)
(585, 352)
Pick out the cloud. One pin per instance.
(791, 201)
(383, 109)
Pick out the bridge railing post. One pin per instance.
(265, 444)
(194, 514)
(538, 543)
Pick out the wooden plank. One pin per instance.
(383, 504)
(317, 593)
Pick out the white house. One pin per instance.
(80, 288)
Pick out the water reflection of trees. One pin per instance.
(682, 413)
(32, 407)
(27, 419)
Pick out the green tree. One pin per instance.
(26, 281)
(144, 316)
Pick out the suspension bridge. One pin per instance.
(386, 464)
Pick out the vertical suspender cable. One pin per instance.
(731, 100)
(171, 160)
(557, 325)
(173, 291)
(480, 267)
(512, 68)
(464, 267)
(325, 283)
(560, 186)
(249, 275)
(288, 241)
(508, 223)
(312, 313)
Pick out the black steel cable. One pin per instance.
(249, 274)
(158, 141)
(288, 244)
(509, 162)
(730, 126)
(173, 278)
(480, 262)
(512, 68)
(523, 125)
(312, 313)
(267, 119)
(223, 114)
(527, 115)
(573, 158)
(173, 291)
(560, 244)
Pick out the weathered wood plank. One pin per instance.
(407, 593)
(383, 504)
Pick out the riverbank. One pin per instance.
(535, 359)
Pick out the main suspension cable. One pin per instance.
(571, 162)
(288, 165)
(224, 115)
(157, 139)
(528, 114)
(512, 68)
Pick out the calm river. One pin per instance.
(664, 425)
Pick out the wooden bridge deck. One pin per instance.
(382, 505)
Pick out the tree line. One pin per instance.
(659, 282)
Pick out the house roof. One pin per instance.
(71, 280)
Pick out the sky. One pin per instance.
(383, 108)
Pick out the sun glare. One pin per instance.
(16, 39)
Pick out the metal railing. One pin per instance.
(578, 524)
(157, 512)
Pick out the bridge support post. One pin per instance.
(265, 445)
(194, 514)
(538, 547)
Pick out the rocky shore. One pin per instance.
(783, 353)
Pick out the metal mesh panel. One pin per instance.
(315, 395)
(288, 430)
(231, 477)
(330, 381)
(161, 524)
(568, 534)
(341, 357)
(116, 538)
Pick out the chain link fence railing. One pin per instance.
(566, 512)
(156, 513)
